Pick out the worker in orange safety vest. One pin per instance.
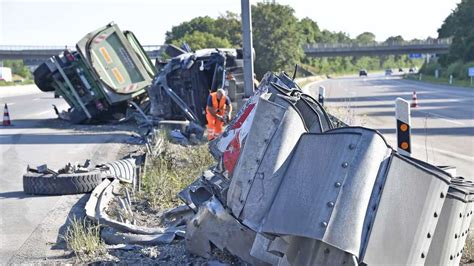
(218, 111)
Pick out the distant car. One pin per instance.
(362, 72)
(388, 72)
(411, 70)
(400, 69)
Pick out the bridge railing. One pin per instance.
(35, 47)
(59, 47)
(446, 41)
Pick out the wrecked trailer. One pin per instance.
(108, 68)
(291, 188)
(181, 89)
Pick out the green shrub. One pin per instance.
(429, 69)
(455, 69)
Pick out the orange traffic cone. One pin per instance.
(6, 117)
(414, 102)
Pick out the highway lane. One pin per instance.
(35, 138)
(442, 125)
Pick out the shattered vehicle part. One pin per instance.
(275, 93)
(201, 190)
(147, 122)
(120, 232)
(114, 237)
(181, 89)
(125, 170)
(108, 69)
(212, 224)
(69, 180)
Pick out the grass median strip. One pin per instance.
(171, 171)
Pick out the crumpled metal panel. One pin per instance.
(268, 118)
(203, 188)
(328, 186)
(261, 249)
(306, 251)
(240, 124)
(213, 224)
(405, 214)
(444, 247)
(260, 180)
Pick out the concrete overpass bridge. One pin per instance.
(35, 55)
(436, 46)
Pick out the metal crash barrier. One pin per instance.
(308, 192)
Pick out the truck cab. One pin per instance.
(107, 69)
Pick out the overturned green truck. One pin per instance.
(110, 68)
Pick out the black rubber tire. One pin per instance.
(42, 78)
(47, 184)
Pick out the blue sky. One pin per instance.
(64, 22)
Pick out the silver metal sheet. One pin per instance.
(443, 248)
(306, 251)
(213, 224)
(405, 214)
(260, 250)
(327, 188)
(466, 216)
(268, 116)
(262, 186)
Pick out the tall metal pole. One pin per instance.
(247, 47)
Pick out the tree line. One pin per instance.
(278, 37)
(459, 26)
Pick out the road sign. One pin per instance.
(471, 72)
(412, 56)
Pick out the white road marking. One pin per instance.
(43, 113)
(36, 99)
(445, 118)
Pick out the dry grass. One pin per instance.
(171, 171)
(83, 239)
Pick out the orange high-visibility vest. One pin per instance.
(220, 106)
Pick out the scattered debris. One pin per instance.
(72, 179)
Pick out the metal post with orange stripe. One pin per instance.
(402, 114)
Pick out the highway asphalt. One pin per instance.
(29, 225)
(442, 124)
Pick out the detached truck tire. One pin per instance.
(62, 184)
